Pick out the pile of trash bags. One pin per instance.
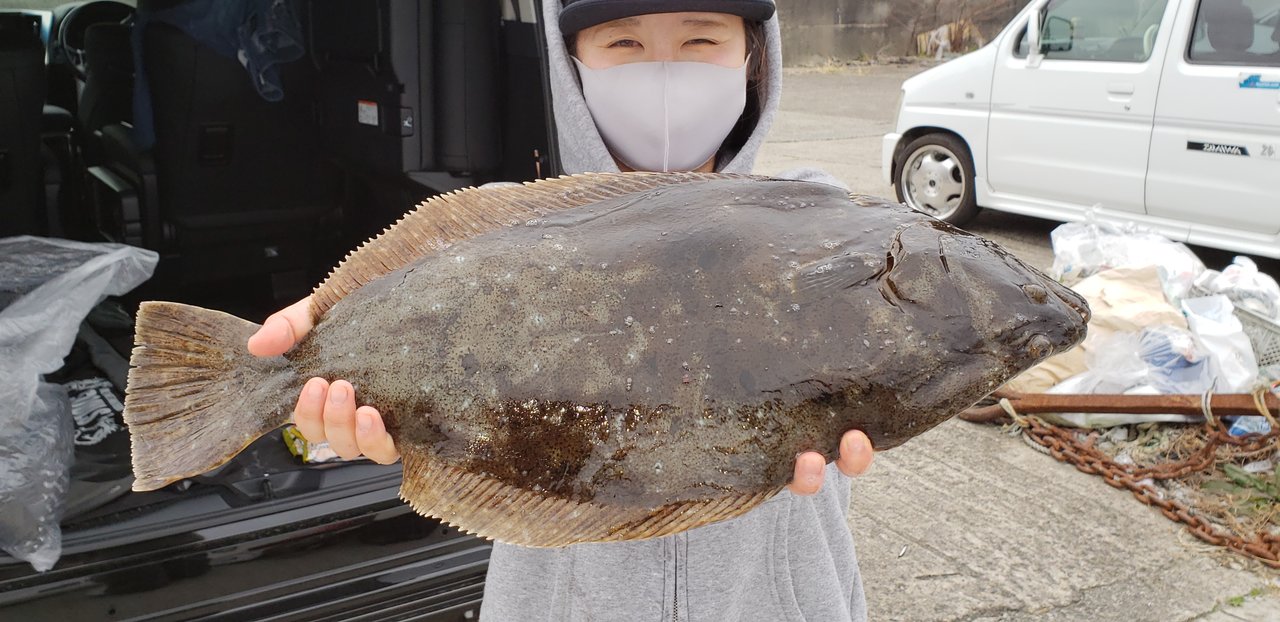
(47, 287)
(1162, 323)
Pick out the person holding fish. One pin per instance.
(651, 85)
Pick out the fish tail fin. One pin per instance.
(196, 397)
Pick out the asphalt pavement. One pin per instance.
(966, 523)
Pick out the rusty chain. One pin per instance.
(1065, 446)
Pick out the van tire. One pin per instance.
(935, 176)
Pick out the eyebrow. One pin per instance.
(702, 21)
(623, 22)
(627, 22)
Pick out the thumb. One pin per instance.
(807, 478)
(282, 330)
(856, 453)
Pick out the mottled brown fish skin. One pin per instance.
(686, 343)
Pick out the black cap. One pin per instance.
(579, 14)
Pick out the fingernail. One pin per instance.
(858, 443)
(315, 389)
(364, 422)
(337, 393)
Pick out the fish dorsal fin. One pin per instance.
(496, 510)
(442, 220)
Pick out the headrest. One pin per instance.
(1229, 25)
(108, 46)
(19, 30)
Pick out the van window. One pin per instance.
(46, 5)
(1236, 32)
(1099, 30)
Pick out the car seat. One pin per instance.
(232, 186)
(58, 155)
(1229, 28)
(1275, 36)
(22, 91)
(73, 141)
(107, 96)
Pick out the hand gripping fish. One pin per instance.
(616, 356)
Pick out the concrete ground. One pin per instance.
(966, 522)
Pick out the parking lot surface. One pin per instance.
(966, 522)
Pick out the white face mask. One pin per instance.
(664, 116)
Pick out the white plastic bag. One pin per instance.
(35, 456)
(1082, 249)
(1213, 320)
(47, 287)
(1245, 286)
(1158, 360)
(1122, 300)
(1177, 362)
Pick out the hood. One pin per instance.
(582, 150)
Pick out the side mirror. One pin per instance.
(1059, 34)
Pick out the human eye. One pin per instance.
(625, 43)
(700, 41)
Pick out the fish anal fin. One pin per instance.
(496, 510)
(442, 220)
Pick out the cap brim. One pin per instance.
(588, 13)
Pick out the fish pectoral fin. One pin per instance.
(493, 509)
(445, 219)
(837, 272)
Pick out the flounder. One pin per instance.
(616, 356)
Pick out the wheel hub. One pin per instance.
(934, 182)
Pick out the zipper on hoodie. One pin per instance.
(678, 580)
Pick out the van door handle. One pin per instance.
(1120, 88)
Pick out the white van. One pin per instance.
(1160, 112)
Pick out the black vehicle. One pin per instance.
(249, 203)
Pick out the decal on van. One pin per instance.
(1217, 148)
(1255, 81)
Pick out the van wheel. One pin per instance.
(936, 177)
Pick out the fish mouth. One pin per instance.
(1071, 299)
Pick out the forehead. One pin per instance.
(668, 20)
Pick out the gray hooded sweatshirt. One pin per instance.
(790, 559)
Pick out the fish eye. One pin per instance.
(1039, 346)
(1036, 293)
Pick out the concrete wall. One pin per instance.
(816, 31)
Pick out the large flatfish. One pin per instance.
(616, 356)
